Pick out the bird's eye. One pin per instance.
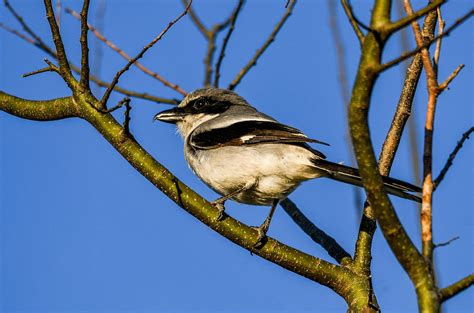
(199, 104)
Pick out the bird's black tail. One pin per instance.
(351, 176)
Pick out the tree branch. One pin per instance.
(264, 47)
(64, 68)
(408, 54)
(109, 89)
(390, 146)
(84, 82)
(315, 233)
(392, 229)
(451, 158)
(196, 20)
(233, 19)
(47, 110)
(353, 21)
(395, 26)
(122, 53)
(456, 288)
(40, 44)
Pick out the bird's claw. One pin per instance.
(262, 236)
(219, 205)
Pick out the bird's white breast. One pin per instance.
(273, 170)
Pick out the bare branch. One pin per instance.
(446, 33)
(58, 12)
(315, 233)
(451, 158)
(450, 78)
(437, 53)
(196, 20)
(84, 82)
(344, 88)
(233, 19)
(426, 215)
(51, 68)
(64, 68)
(395, 26)
(47, 110)
(264, 47)
(446, 243)
(107, 93)
(354, 23)
(122, 53)
(17, 33)
(390, 147)
(456, 288)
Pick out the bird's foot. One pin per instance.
(262, 235)
(219, 205)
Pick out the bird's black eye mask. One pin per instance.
(206, 106)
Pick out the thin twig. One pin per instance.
(97, 47)
(395, 26)
(316, 234)
(84, 82)
(411, 53)
(262, 49)
(196, 20)
(122, 53)
(58, 12)
(22, 22)
(344, 89)
(126, 120)
(456, 288)
(450, 78)
(40, 44)
(355, 25)
(51, 68)
(437, 52)
(233, 19)
(42, 70)
(107, 93)
(446, 243)
(63, 61)
(451, 157)
(17, 33)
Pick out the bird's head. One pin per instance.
(200, 106)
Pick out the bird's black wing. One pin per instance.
(250, 133)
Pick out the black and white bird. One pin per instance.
(249, 157)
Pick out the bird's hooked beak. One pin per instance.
(170, 116)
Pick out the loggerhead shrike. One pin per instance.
(249, 157)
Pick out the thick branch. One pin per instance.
(456, 288)
(390, 146)
(392, 229)
(47, 110)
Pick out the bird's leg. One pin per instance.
(219, 203)
(262, 229)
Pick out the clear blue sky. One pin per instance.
(82, 231)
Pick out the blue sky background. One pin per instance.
(82, 231)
